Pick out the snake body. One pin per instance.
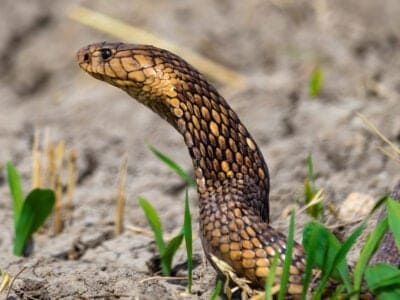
(231, 174)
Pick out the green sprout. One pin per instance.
(167, 252)
(217, 290)
(311, 193)
(325, 252)
(316, 81)
(288, 259)
(29, 213)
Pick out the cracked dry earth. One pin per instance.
(274, 44)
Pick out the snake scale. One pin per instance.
(231, 174)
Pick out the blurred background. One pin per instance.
(270, 49)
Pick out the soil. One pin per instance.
(275, 44)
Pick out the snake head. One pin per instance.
(117, 63)
(151, 75)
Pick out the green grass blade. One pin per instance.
(382, 276)
(271, 278)
(368, 250)
(327, 246)
(393, 212)
(338, 292)
(155, 224)
(217, 290)
(14, 182)
(173, 165)
(310, 250)
(187, 229)
(378, 204)
(384, 281)
(310, 169)
(339, 258)
(288, 259)
(170, 250)
(154, 221)
(35, 210)
(316, 81)
(343, 251)
(310, 191)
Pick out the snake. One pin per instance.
(231, 174)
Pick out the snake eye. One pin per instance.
(105, 53)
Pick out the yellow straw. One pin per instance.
(133, 34)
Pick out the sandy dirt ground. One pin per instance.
(274, 44)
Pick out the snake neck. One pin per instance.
(227, 162)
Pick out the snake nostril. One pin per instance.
(86, 57)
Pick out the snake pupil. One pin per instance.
(86, 57)
(105, 53)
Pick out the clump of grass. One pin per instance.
(167, 251)
(50, 176)
(383, 279)
(316, 81)
(325, 252)
(156, 226)
(311, 193)
(29, 213)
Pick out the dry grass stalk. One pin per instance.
(163, 278)
(51, 165)
(51, 177)
(44, 178)
(129, 33)
(119, 216)
(13, 280)
(73, 155)
(57, 214)
(5, 281)
(394, 151)
(318, 198)
(36, 161)
(140, 230)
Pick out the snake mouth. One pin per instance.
(84, 58)
(95, 60)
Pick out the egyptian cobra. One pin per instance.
(231, 174)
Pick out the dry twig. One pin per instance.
(130, 33)
(119, 217)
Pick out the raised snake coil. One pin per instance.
(232, 177)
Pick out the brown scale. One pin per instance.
(232, 177)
